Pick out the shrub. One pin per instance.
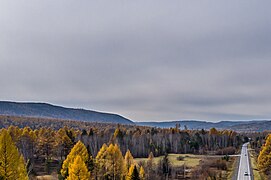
(180, 158)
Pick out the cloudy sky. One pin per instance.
(147, 60)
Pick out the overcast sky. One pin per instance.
(146, 60)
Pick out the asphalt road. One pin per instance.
(244, 172)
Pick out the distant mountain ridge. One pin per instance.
(253, 125)
(45, 110)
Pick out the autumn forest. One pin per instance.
(113, 151)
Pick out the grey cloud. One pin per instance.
(151, 60)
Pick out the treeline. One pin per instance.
(46, 142)
(140, 140)
(143, 140)
(37, 123)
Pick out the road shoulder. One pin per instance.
(236, 169)
(250, 165)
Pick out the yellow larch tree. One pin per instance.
(22, 172)
(264, 159)
(62, 143)
(114, 162)
(150, 165)
(128, 160)
(11, 162)
(133, 173)
(79, 149)
(14, 132)
(78, 170)
(45, 142)
(141, 173)
(100, 162)
(110, 162)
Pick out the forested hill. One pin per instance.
(44, 110)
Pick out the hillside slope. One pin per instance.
(44, 110)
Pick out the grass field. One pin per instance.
(190, 160)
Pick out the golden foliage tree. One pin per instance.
(11, 163)
(150, 165)
(22, 172)
(78, 170)
(14, 132)
(141, 173)
(264, 159)
(213, 131)
(114, 162)
(100, 162)
(128, 160)
(63, 143)
(110, 162)
(46, 138)
(133, 173)
(79, 149)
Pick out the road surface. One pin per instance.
(244, 165)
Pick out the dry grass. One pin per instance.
(231, 167)
(190, 160)
(52, 176)
(46, 177)
(257, 174)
